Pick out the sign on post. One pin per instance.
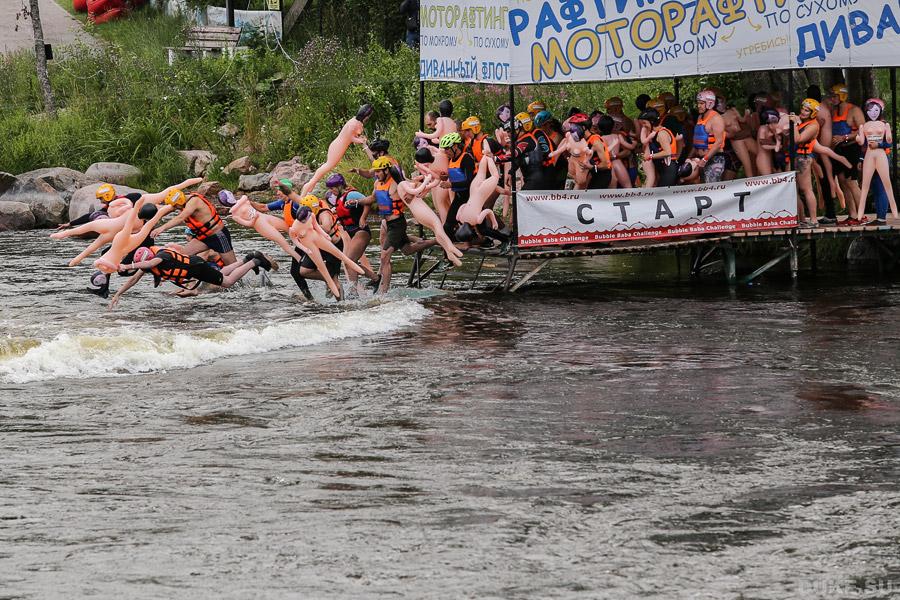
(595, 216)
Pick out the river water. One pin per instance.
(626, 437)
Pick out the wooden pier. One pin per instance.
(704, 252)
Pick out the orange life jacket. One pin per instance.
(175, 271)
(388, 206)
(805, 148)
(596, 137)
(203, 229)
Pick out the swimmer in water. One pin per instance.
(167, 264)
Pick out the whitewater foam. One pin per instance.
(127, 350)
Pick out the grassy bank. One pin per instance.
(123, 102)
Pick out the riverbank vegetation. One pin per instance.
(120, 101)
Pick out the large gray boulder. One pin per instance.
(15, 216)
(242, 165)
(7, 180)
(294, 170)
(84, 200)
(63, 180)
(112, 172)
(46, 204)
(254, 183)
(198, 161)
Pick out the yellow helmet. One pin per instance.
(812, 105)
(106, 193)
(523, 121)
(382, 162)
(312, 202)
(175, 197)
(536, 107)
(472, 124)
(840, 90)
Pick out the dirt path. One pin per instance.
(60, 28)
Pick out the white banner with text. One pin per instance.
(549, 41)
(553, 218)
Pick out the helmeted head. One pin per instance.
(578, 119)
(874, 109)
(336, 180)
(656, 104)
(311, 202)
(605, 125)
(812, 106)
(840, 91)
(524, 122)
(706, 100)
(382, 163)
(542, 117)
(99, 280)
(685, 169)
(762, 100)
(106, 193)
(614, 104)
(449, 140)
(143, 253)
(175, 197)
(472, 124)
(535, 107)
(504, 112)
(379, 146)
(651, 115)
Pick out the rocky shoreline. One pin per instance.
(45, 198)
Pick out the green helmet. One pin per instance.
(450, 139)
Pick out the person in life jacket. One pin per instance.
(846, 119)
(376, 149)
(601, 159)
(197, 212)
(331, 226)
(187, 271)
(105, 194)
(806, 130)
(709, 137)
(389, 205)
(532, 149)
(353, 218)
(548, 131)
(473, 138)
(661, 150)
(460, 174)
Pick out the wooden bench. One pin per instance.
(208, 40)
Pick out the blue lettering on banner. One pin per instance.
(853, 28)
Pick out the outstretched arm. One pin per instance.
(128, 285)
(160, 196)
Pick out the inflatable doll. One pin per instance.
(876, 136)
(411, 192)
(308, 234)
(353, 132)
(268, 226)
(131, 234)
